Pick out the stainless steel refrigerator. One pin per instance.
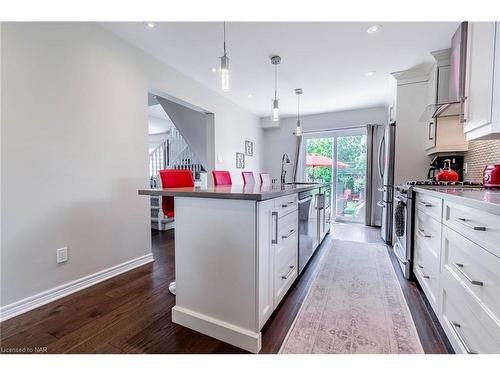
(385, 163)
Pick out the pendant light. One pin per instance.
(276, 60)
(225, 76)
(298, 129)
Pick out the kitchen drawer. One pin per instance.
(285, 205)
(467, 332)
(428, 232)
(478, 226)
(432, 206)
(427, 272)
(287, 238)
(284, 277)
(477, 269)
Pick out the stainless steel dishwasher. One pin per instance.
(308, 226)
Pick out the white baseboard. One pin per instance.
(30, 303)
(234, 335)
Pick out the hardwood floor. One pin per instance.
(131, 313)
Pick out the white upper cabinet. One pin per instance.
(482, 106)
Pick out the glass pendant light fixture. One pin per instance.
(298, 129)
(276, 60)
(225, 74)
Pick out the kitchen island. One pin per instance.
(236, 256)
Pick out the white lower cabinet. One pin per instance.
(277, 252)
(460, 278)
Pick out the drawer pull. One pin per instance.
(426, 276)
(425, 204)
(292, 231)
(288, 274)
(463, 220)
(287, 204)
(420, 266)
(459, 267)
(423, 234)
(455, 326)
(275, 239)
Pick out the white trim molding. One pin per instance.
(40, 299)
(237, 336)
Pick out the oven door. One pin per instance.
(401, 248)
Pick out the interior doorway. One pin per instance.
(339, 157)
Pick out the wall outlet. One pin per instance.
(62, 255)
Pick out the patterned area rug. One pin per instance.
(355, 305)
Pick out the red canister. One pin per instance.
(491, 176)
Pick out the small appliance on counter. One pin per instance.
(456, 163)
(491, 176)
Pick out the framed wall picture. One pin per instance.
(249, 148)
(240, 160)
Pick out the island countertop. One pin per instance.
(480, 198)
(255, 192)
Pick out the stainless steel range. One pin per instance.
(404, 213)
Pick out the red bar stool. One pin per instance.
(222, 178)
(248, 178)
(172, 178)
(265, 179)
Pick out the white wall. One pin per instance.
(74, 150)
(281, 140)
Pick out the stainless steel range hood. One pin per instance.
(456, 90)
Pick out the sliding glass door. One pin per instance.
(339, 157)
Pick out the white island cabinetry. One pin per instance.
(235, 260)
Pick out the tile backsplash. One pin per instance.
(480, 154)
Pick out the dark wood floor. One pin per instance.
(131, 313)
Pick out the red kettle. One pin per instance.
(446, 173)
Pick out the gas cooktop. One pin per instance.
(444, 183)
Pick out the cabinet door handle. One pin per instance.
(425, 204)
(426, 276)
(430, 133)
(459, 267)
(420, 266)
(289, 273)
(287, 204)
(463, 221)
(275, 239)
(454, 327)
(423, 234)
(290, 232)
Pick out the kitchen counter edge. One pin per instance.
(240, 195)
(474, 202)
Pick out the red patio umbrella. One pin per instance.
(323, 161)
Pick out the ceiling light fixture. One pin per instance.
(374, 29)
(298, 129)
(276, 60)
(151, 25)
(250, 95)
(370, 73)
(225, 75)
(214, 70)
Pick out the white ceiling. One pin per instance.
(327, 59)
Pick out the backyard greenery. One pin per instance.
(351, 150)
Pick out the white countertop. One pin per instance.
(480, 198)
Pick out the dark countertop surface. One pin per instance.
(480, 198)
(255, 192)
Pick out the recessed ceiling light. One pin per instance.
(374, 29)
(370, 73)
(151, 25)
(250, 95)
(214, 70)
